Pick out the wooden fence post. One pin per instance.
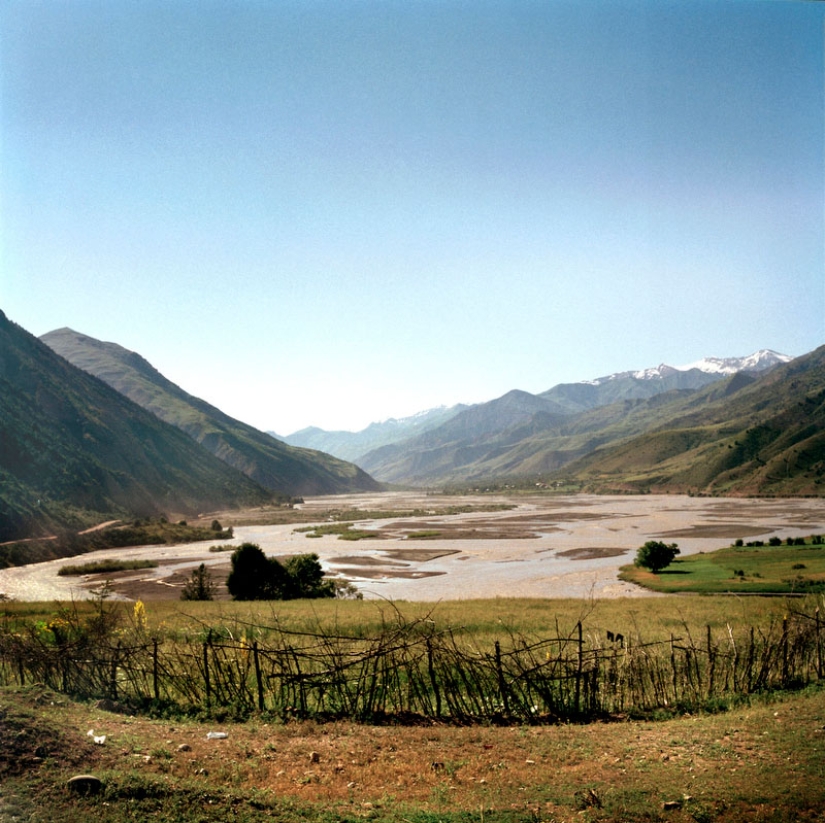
(206, 676)
(113, 672)
(711, 662)
(502, 687)
(673, 675)
(258, 677)
(155, 680)
(433, 680)
(579, 667)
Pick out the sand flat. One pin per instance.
(545, 547)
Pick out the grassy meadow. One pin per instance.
(485, 621)
(741, 569)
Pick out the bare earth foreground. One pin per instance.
(544, 547)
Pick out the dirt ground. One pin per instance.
(745, 765)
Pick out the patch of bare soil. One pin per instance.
(724, 531)
(148, 586)
(758, 763)
(418, 555)
(555, 517)
(27, 741)
(382, 572)
(591, 553)
(355, 560)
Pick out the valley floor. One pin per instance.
(544, 546)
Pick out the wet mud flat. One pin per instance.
(540, 546)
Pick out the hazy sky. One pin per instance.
(330, 213)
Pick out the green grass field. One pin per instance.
(740, 569)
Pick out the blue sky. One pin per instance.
(330, 213)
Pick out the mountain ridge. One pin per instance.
(276, 466)
(74, 452)
(545, 440)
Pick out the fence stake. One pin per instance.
(673, 670)
(433, 681)
(579, 667)
(206, 676)
(258, 677)
(502, 689)
(711, 663)
(155, 681)
(113, 673)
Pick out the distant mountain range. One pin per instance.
(516, 408)
(351, 445)
(756, 431)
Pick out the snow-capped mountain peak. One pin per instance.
(758, 361)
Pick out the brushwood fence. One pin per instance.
(414, 670)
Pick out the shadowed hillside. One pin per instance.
(271, 463)
(74, 452)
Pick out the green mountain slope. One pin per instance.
(691, 438)
(271, 463)
(758, 436)
(73, 451)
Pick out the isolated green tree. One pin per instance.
(254, 576)
(199, 586)
(655, 555)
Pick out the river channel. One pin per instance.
(541, 547)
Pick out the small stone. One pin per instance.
(85, 784)
(671, 805)
(314, 757)
(184, 747)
